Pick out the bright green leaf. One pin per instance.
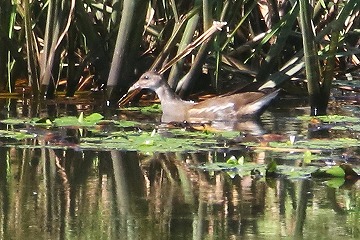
(81, 117)
(95, 117)
(308, 157)
(232, 160)
(336, 171)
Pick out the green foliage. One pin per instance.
(16, 135)
(76, 40)
(65, 121)
(324, 144)
(93, 118)
(95, 133)
(308, 157)
(124, 135)
(146, 142)
(331, 118)
(319, 80)
(78, 121)
(271, 167)
(330, 172)
(234, 161)
(336, 172)
(272, 170)
(154, 108)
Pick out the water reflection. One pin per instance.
(58, 194)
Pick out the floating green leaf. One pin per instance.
(15, 135)
(233, 161)
(331, 118)
(271, 167)
(310, 144)
(146, 142)
(308, 157)
(81, 117)
(93, 118)
(14, 121)
(66, 121)
(329, 172)
(134, 136)
(154, 108)
(336, 171)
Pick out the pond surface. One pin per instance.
(49, 191)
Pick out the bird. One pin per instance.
(223, 107)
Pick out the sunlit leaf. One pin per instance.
(15, 135)
(66, 121)
(13, 121)
(93, 118)
(241, 160)
(308, 157)
(154, 108)
(232, 160)
(331, 118)
(336, 171)
(81, 117)
(271, 167)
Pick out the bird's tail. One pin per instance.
(259, 106)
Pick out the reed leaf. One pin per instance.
(187, 37)
(7, 11)
(312, 64)
(284, 27)
(126, 48)
(352, 7)
(30, 51)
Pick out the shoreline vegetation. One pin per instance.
(73, 46)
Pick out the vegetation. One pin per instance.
(95, 133)
(105, 45)
(94, 176)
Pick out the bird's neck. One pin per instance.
(173, 107)
(167, 95)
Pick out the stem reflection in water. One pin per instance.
(57, 194)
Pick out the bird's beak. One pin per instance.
(132, 92)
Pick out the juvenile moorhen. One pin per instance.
(230, 107)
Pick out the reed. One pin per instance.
(105, 46)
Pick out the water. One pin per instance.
(52, 193)
(65, 194)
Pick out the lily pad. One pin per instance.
(78, 121)
(331, 118)
(146, 142)
(154, 108)
(317, 145)
(15, 135)
(93, 118)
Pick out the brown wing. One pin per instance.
(233, 106)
